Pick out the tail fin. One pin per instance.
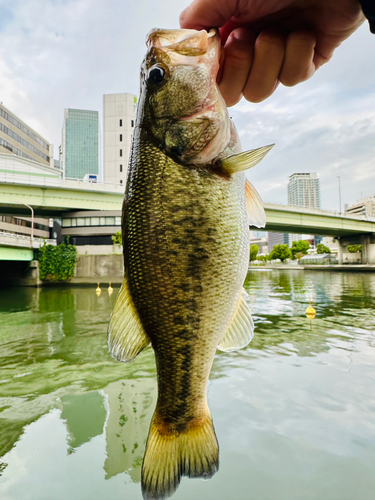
(170, 455)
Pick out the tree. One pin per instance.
(117, 238)
(281, 252)
(320, 248)
(354, 248)
(299, 246)
(254, 249)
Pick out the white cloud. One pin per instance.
(68, 53)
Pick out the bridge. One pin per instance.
(68, 195)
(19, 247)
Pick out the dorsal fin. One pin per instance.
(241, 328)
(126, 335)
(245, 160)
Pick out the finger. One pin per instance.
(202, 14)
(268, 60)
(298, 65)
(239, 51)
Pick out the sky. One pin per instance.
(57, 54)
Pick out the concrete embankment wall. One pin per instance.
(99, 269)
(359, 268)
(89, 269)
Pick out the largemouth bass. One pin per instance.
(186, 216)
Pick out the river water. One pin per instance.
(294, 412)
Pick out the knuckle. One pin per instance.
(303, 39)
(271, 39)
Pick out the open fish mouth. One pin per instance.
(190, 43)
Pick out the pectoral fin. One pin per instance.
(241, 328)
(255, 211)
(126, 335)
(245, 160)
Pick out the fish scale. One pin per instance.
(211, 242)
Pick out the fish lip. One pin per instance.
(185, 34)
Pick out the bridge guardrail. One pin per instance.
(23, 241)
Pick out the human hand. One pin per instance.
(271, 41)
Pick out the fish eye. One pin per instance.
(156, 75)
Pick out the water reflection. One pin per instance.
(55, 370)
(131, 405)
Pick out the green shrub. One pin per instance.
(320, 248)
(354, 248)
(57, 263)
(299, 246)
(254, 249)
(281, 252)
(117, 238)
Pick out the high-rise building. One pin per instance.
(304, 190)
(118, 127)
(19, 139)
(80, 143)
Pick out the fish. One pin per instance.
(185, 225)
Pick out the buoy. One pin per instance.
(110, 289)
(310, 312)
(98, 289)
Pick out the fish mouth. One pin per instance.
(185, 42)
(186, 46)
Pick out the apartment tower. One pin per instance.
(304, 190)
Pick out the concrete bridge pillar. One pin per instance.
(340, 251)
(368, 249)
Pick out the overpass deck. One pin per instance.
(53, 201)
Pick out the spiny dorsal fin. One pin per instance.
(241, 328)
(245, 160)
(255, 211)
(126, 336)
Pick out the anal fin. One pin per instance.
(254, 206)
(126, 335)
(241, 328)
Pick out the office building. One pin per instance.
(91, 231)
(80, 143)
(304, 190)
(277, 239)
(118, 126)
(17, 138)
(364, 206)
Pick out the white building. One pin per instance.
(118, 126)
(364, 206)
(303, 191)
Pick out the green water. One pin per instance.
(294, 411)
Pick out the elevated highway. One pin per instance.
(20, 248)
(70, 195)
